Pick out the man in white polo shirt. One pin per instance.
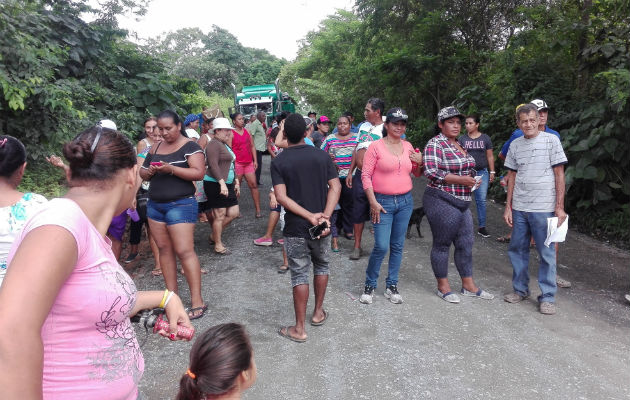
(535, 192)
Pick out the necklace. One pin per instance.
(395, 152)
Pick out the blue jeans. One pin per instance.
(526, 225)
(389, 234)
(480, 196)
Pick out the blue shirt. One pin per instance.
(309, 142)
(517, 134)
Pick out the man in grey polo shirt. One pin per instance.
(535, 192)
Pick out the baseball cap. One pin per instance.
(308, 121)
(540, 104)
(323, 120)
(396, 114)
(449, 112)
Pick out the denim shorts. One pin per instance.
(301, 252)
(361, 204)
(182, 211)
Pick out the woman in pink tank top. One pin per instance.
(246, 164)
(66, 298)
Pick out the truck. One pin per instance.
(267, 98)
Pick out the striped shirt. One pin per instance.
(342, 150)
(442, 158)
(533, 160)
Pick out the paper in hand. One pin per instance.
(556, 233)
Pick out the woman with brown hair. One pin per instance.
(221, 365)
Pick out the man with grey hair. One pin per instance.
(535, 164)
(257, 130)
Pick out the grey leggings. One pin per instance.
(451, 223)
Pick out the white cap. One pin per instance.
(540, 104)
(108, 123)
(221, 123)
(193, 134)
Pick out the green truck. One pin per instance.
(267, 98)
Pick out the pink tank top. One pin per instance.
(242, 147)
(90, 347)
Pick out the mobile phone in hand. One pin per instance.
(316, 230)
(156, 163)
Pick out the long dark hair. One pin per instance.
(97, 154)
(175, 118)
(217, 358)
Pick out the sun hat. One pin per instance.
(449, 112)
(540, 104)
(323, 120)
(396, 114)
(221, 123)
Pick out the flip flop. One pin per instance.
(322, 322)
(283, 270)
(194, 310)
(503, 239)
(287, 335)
(222, 252)
(156, 272)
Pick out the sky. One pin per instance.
(275, 25)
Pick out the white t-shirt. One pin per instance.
(533, 160)
(368, 133)
(12, 221)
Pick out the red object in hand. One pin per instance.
(182, 331)
(158, 163)
(414, 165)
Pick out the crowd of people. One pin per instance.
(61, 259)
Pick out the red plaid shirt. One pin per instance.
(442, 158)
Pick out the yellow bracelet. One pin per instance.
(163, 299)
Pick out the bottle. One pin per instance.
(414, 165)
(182, 331)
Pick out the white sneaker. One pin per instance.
(368, 294)
(481, 294)
(392, 294)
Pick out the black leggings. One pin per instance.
(451, 223)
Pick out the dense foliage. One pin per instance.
(60, 74)
(488, 57)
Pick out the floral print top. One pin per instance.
(12, 220)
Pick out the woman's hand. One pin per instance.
(177, 315)
(467, 181)
(415, 157)
(55, 161)
(224, 188)
(349, 180)
(375, 211)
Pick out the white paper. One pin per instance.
(477, 183)
(556, 233)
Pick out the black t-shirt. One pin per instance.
(166, 187)
(305, 171)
